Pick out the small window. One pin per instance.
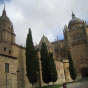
(4, 48)
(1, 37)
(6, 67)
(9, 51)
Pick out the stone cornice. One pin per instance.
(12, 57)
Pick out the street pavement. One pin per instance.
(78, 85)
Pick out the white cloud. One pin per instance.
(43, 16)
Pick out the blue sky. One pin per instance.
(46, 17)
(2, 1)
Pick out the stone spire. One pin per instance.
(4, 11)
(73, 15)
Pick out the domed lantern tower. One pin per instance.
(75, 22)
(6, 29)
(7, 36)
(75, 36)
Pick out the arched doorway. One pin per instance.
(84, 72)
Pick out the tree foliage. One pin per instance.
(31, 60)
(71, 67)
(45, 63)
(49, 73)
(52, 68)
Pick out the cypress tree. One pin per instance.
(52, 68)
(45, 63)
(71, 67)
(31, 60)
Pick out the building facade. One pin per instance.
(12, 58)
(76, 41)
(62, 64)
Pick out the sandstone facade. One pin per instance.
(12, 58)
(76, 41)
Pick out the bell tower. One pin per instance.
(6, 29)
(7, 36)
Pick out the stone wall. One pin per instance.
(22, 80)
(60, 72)
(80, 56)
(12, 75)
(66, 71)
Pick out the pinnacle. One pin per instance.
(4, 11)
(73, 15)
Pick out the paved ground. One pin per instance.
(78, 85)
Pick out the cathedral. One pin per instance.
(13, 60)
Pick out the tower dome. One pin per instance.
(6, 29)
(74, 21)
(5, 22)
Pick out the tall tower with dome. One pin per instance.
(76, 41)
(12, 56)
(7, 36)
